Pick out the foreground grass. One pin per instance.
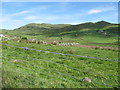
(34, 69)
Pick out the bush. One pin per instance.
(96, 48)
(25, 38)
(5, 42)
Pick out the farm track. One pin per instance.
(100, 47)
(83, 46)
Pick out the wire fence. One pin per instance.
(62, 78)
(57, 72)
(65, 65)
(26, 48)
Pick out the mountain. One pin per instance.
(66, 29)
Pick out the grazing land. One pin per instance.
(60, 56)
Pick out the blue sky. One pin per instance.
(16, 14)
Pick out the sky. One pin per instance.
(17, 14)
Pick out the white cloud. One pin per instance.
(11, 23)
(94, 11)
(32, 10)
(31, 17)
(20, 13)
(4, 19)
(101, 9)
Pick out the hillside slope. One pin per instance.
(67, 29)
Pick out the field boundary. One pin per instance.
(26, 48)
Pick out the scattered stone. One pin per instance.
(47, 52)
(69, 44)
(17, 61)
(86, 79)
(26, 49)
(19, 41)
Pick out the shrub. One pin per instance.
(25, 38)
(5, 42)
(96, 48)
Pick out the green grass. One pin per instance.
(82, 36)
(47, 70)
(35, 69)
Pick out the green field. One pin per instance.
(54, 66)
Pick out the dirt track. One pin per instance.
(97, 47)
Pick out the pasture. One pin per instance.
(32, 68)
(60, 56)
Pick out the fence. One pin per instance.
(26, 48)
(59, 73)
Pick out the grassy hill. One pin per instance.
(57, 29)
(99, 32)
